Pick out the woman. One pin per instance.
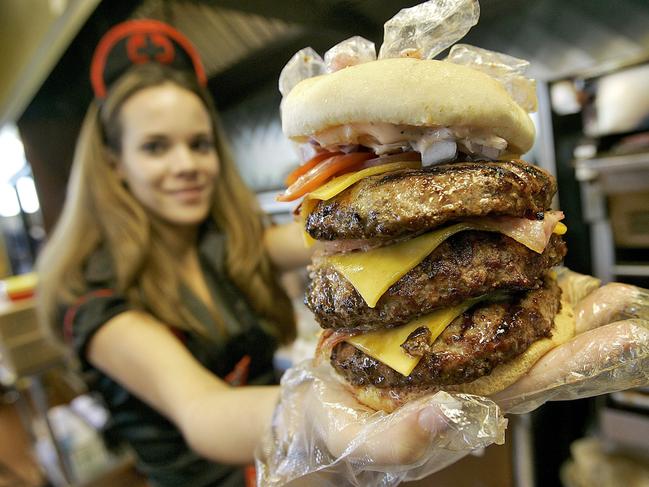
(166, 290)
(162, 273)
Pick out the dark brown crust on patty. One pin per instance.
(468, 264)
(413, 201)
(469, 348)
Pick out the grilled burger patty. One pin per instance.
(468, 264)
(413, 201)
(470, 347)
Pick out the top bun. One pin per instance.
(410, 92)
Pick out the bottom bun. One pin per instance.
(500, 377)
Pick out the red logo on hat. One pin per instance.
(143, 48)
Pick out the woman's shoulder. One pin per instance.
(96, 305)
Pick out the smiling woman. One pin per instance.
(155, 274)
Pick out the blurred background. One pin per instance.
(591, 62)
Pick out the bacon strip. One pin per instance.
(328, 340)
(534, 234)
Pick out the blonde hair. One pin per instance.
(99, 210)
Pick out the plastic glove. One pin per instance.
(612, 302)
(322, 437)
(609, 353)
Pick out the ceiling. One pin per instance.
(560, 38)
(245, 44)
(223, 36)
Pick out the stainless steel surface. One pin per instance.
(626, 429)
(587, 168)
(598, 178)
(41, 408)
(522, 450)
(545, 141)
(603, 250)
(637, 270)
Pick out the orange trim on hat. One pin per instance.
(159, 31)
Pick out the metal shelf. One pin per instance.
(632, 270)
(632, 398)
(598, 178)
(611, 164)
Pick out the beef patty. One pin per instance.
(470, 347)
(413, 201)
(468, 264)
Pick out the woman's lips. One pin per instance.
(188, 195)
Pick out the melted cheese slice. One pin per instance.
(560, 229)
(373, 272)
(341, 183)
(306, 208)
(385, 345)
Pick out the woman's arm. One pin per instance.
(218, 421)
(285, 246)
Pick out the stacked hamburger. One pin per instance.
(437, 242)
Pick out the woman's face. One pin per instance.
(168, 159)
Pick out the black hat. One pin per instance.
(137, 42)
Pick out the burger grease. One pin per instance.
(438, 242)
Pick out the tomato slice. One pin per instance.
(307, 166)
(321, 173)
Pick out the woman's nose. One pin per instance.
(184, 160)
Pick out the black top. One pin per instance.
(162, 454)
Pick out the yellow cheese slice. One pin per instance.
(374, 271)
(385, 345)
(305, 210)
(341, 183)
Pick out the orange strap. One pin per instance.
(239, 375)
(251, 476)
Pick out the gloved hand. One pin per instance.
(610, 351)
(322, 437)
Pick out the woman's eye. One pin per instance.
(155, 147)
(202, 144)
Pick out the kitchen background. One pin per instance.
(591, 62)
